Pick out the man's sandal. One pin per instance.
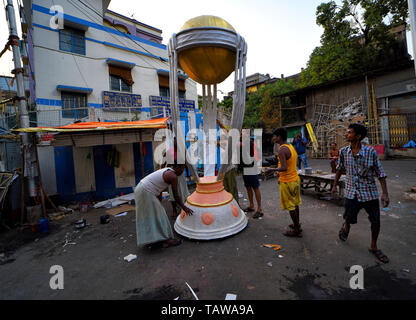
(292, 226)
(343, 235)
(293, 233)
(258, 214)
(171, 243)
(379, 255)
(248, 209)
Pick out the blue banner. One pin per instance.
(117, 101)
(158, 103)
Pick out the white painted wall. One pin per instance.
(47, 169)
(84, 169)
(124, 174)
(54, 67)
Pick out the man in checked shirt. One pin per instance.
(361, 165)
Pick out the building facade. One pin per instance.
(87, 63)
(96, 58)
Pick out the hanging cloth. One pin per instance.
(123, 73)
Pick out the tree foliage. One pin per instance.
(356, 38)
(262, 107)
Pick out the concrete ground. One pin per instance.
(313, 267)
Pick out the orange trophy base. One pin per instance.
(216, 213)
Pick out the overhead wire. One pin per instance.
(112, 35)
(127, 35)
(76, 63)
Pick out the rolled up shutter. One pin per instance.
(164, 82)
(123, 73)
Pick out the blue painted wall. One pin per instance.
(104, 174)
(64, 169)
(148, 160)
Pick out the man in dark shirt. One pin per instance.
(251, 181)
(300, 147)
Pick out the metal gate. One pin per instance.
(402, 128)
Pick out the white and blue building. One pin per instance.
(92, 64)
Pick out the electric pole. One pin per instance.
(412, 16)
(21, 97)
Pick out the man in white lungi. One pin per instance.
(152, 223)
(183, 192)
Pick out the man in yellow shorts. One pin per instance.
(289, 181)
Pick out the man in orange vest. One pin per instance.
(289, 181)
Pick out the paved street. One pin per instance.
(313, 267)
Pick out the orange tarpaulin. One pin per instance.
(95, 126)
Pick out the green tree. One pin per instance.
(227, 104)
(262, 107)
(356, 38)
(253, 110)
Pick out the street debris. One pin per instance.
(240, 195)
(121, 209)
(275, 247)
(68, 241)
(66, 210)
(56, 216)
(406, 270)
(392, 215)
(105, 219)
(121, 214)
(80, 224)
(411, 196)
(251, 287)
(398, 206)
(192, 291)
(280, 256)
(231, 296)
(177, 298)
(386, 209)
(111, 203)
(130, 257)
(270, 264)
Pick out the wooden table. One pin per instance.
(321, 183)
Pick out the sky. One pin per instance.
(280, 34)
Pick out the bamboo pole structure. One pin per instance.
(375, 114)
(42, 198)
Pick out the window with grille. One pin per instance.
(74, 105)
(72, 40)
(118, 84)
(164, 92)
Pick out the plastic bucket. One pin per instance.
(44, 225)
(84, 207)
